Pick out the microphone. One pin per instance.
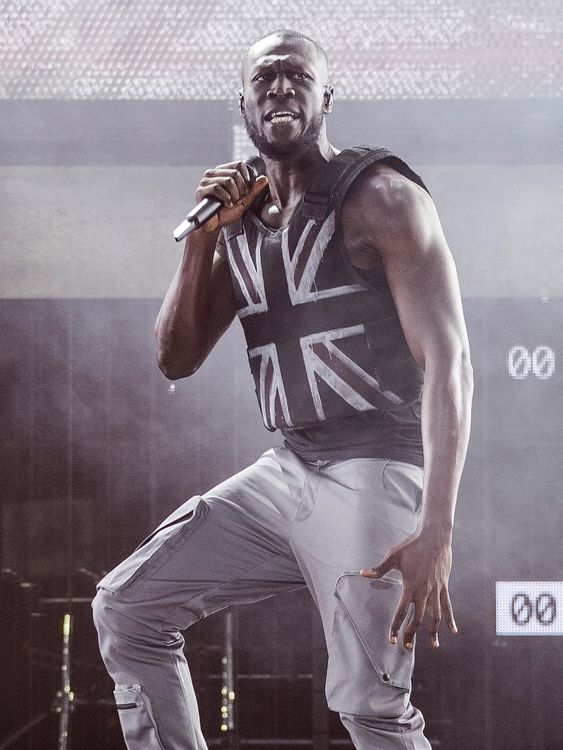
(211, 205)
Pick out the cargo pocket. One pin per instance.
(157, 549)
(136, 717)
(363, 612)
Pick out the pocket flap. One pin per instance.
(368, 606)
(136, 718)
(128, 697)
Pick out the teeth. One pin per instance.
(282, 117)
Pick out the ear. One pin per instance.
(240, 101)
(328, 99)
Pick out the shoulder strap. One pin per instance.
(331, 184)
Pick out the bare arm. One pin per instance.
(405, 229)
(199, 305)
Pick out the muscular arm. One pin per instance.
(401, 225)
(198, 307)
(199, 304)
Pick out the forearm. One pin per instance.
(181, 328)
(446, 422)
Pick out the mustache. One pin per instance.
(298, 146)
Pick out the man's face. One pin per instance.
(284, 75)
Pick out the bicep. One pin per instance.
(423, 279)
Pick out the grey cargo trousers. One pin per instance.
(278, 525)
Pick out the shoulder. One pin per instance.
(383, 188)
(382, 202)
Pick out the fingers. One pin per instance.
(448, 610)
(387, 564)
(414, 623)
(434, 615)
(435, 604)
(233, 212)
(399, 616)
(232, 184)
(256, 188)
(245, 172)
(219, 190)
(227, 185)
(227, 182)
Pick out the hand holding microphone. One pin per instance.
(223, 195)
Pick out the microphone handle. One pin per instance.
(210, 206)
(197, 217)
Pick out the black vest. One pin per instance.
(322, 342)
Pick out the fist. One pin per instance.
(233, 185)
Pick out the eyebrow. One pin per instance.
(292, 62)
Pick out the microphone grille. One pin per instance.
(257, 165)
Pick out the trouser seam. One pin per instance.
(310, 483)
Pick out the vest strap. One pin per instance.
(317, 198)
(233, 230)
(332, 182)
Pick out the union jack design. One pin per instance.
(248, 273)
(301, 267)
(325, 361)
(312, 363)
(271, 385)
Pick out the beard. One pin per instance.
(296, 148)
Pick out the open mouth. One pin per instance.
(277, 118)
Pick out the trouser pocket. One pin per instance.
(158, 548)
(136, 717)
(362, 663)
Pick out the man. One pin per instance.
(338, 269)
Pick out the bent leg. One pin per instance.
(351, 514)
(228, 546)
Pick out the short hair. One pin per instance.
(286, 34)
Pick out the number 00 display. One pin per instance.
(529, 607)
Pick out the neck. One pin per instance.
(288, 179)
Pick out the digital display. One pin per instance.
(540, 362)
(462, 49)
(529, 607)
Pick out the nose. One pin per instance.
(281, 86)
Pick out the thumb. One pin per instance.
(257, 187)
(229, 214)
(388, 563)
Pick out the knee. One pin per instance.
(105, 616)
(116, 616)
(107, 626)
(119, 629)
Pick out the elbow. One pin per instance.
(175, 360)
(171, 374)
(453, 366)
(461, 381)
(465, 369)
(174, 369)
